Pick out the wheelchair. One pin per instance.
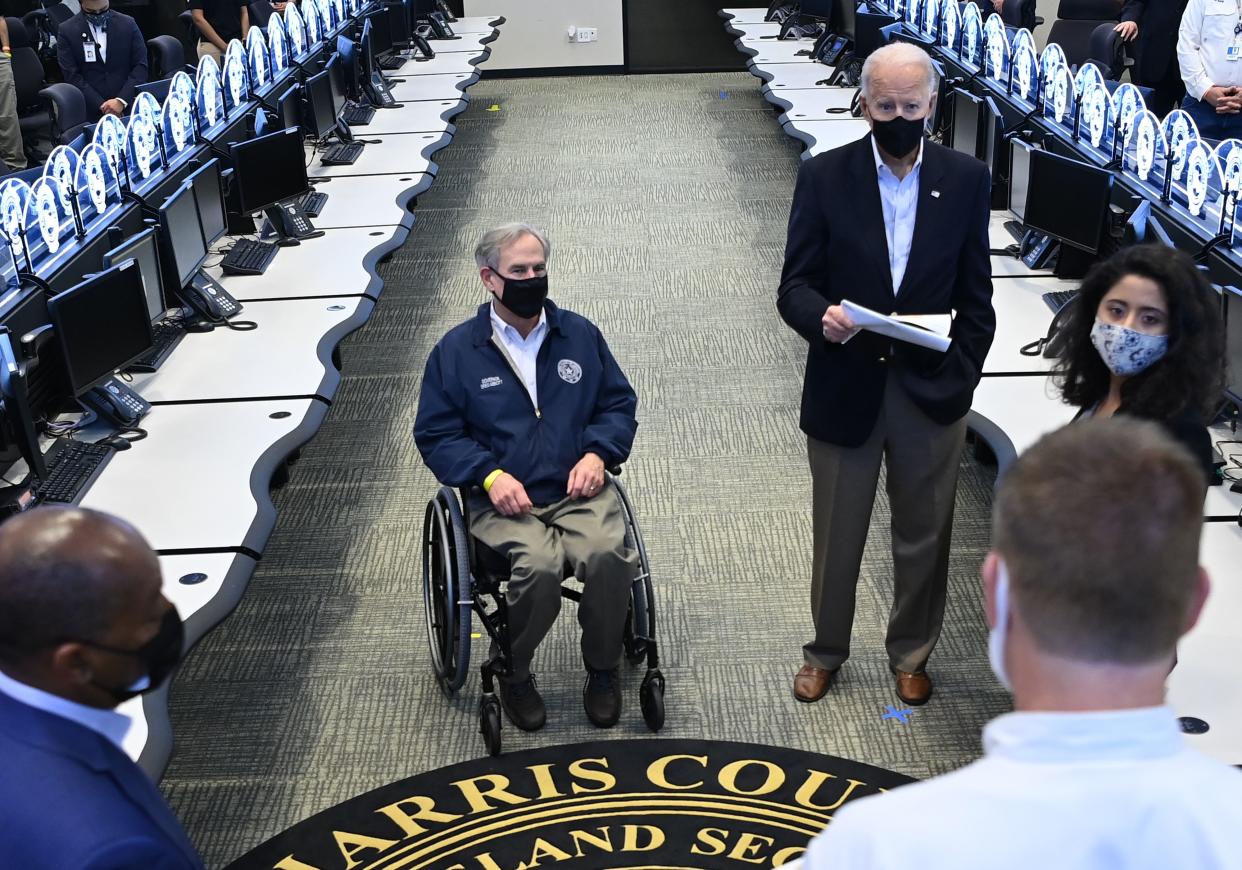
(462, 577)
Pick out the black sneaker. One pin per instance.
(601, 696)
(523, 704)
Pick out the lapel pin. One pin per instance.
(935, 194)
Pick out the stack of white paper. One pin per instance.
(926, 330)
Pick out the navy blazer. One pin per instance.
(1156, 45)
(837, 249)
(100, 81)
(70, 799)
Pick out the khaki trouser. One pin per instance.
(921, 459)
(206, 49)
(588, 535)
(11, 151)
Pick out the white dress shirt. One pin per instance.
(1203, 42)
(523, 352)
(899, 199)
(109, 723)
(100, 35)
(1070, 791)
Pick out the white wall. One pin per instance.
(534, 33)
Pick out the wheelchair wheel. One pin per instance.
(447, 589)
(489, 723)
(640, 620)
(651, 699)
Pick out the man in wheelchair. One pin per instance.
(524, 406)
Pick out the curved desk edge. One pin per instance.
(331, 340)
(267, 464)
(995, 437)
(158, 748)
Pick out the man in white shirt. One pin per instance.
(1209, 51)
(1093, 578)
(84, 626)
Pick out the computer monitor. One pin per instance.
(1076, 220)
(399, 22)
(366, 54)
(967, 113)
(288, 107)
(209, 200)
(182, 237)
(141, 248)
(821, 9)
(269, 170)
(868, 32)
(321, 109)
(1019, 175)
(992, 133)
(381, 30)
(844, 14)
(101, 325)
(336, 67)
(1233, 343)
(1142, 228)
(348, 63)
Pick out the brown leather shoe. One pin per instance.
(811, 684)
(914, 689)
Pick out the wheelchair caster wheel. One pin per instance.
(489, 723)
(651, 698)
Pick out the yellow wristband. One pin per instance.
(491, 478)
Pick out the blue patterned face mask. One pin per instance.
(1126, 351)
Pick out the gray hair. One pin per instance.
(897, 54)
(487, 252)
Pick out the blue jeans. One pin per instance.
(1210, 124)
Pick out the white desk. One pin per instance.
(290, 354)
(319, 268)
(803, 75)
(744, 15)
(441, 64)
(477, 24)
(1021, 317)
(463, 42)
(203, 604)
(395, 153)
(370, 200)
(199, 481)
(414, 116)
(440, 86)
(1202, 684)
(774, 51)
(1012, 413)
(753, 30)
(821, 136)
(823, 103)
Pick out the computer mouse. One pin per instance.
(116, 442)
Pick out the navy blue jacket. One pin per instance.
(475, 416)
(70, 799)
(100, 81)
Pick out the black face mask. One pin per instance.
(524, 296)
(160, 655)
(899, 136)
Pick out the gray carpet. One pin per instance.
(665, 198)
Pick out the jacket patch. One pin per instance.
(569, 371)
(489, 382)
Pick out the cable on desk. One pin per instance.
(241, 325)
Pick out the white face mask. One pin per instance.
(1126, 351)
(1000, 629)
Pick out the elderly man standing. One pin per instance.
(1093, 578)
(525, 405)
(84, 626)
(898, 224)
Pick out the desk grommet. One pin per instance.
(336, 307)
(192, 579)
(279, 415)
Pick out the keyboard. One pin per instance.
(248, 257)
(341, 154)
(313, 203)
(1015, 229)
(358, 114)
(390, 62)
(72, 466)
(166, 336)
(1058, 299)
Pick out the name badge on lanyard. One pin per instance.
(1234, 52)
(88, 48)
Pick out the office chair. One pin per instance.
(1076, 22)
(1106, 49)
(190, 36)
(260, 13)
(165, 56)
(1020, 13)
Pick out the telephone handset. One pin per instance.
(440, 25)
(1037, 250)
(117, 403)
(209, 300)
(423, 46)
